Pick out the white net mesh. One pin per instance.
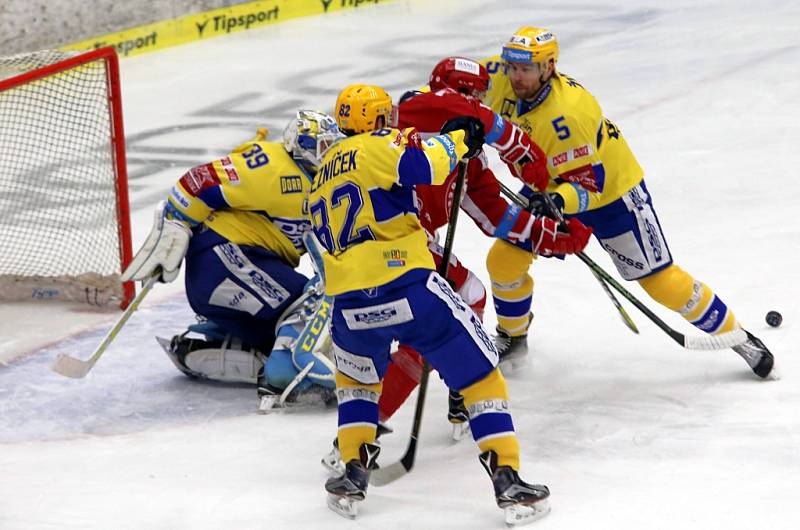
(58, 178)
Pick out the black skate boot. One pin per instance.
(346, 490)
(757, 356)
(511, 350)
(457, 415)
(522, 502)
(180, 346)
(333, 460)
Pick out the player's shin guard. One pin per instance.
(358, 414)
(512, 286)
(490, 419)
(695, 301)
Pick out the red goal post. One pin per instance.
(64, 215)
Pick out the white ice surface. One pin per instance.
(629, 432)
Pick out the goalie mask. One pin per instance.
(309, 135)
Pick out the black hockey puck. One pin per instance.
(774, 319)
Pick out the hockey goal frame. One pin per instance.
(114, 94)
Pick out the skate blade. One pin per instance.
(509, 365)
(345, 507)
(333, 463)
(520, 514)
(460, 430)
(269, 404)
(773, 375)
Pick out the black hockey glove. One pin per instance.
(475, 134)
(539, 207)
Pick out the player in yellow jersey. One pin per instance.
(381, 273)
(595, 177)
(239, 222)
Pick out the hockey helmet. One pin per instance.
(358, 108)
(461, 74)
(531, 45)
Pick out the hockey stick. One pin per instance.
(704, 342)
(76, 368)
(522, 203)
(386, 474)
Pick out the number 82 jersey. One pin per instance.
(362, 205)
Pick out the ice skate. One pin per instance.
(333, 460)
(757, 356)
(522, 503)
(512, 351)
(350, 488)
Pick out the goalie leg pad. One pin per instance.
(228, 361)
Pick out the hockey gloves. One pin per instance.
(538, 206)
(549, 239)
(163, 250)
(475, 134)
(525, 159)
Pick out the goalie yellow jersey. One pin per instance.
(362, 205)
(590, 163)
(254, 196)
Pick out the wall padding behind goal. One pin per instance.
(139, 27)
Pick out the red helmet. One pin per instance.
(461, 74)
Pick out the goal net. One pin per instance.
(64, 217)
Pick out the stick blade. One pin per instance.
(70, 366)
(386, 475)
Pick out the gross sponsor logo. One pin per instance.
(226, 24)
(559, 159)
(623, 258)
(396, 263)
(291, 184)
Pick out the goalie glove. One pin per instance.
(164, 249)
(548, 239)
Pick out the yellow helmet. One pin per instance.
(531, 45)
(359, 106)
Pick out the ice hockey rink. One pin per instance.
(629, 432)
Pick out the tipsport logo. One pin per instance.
(517, 56)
